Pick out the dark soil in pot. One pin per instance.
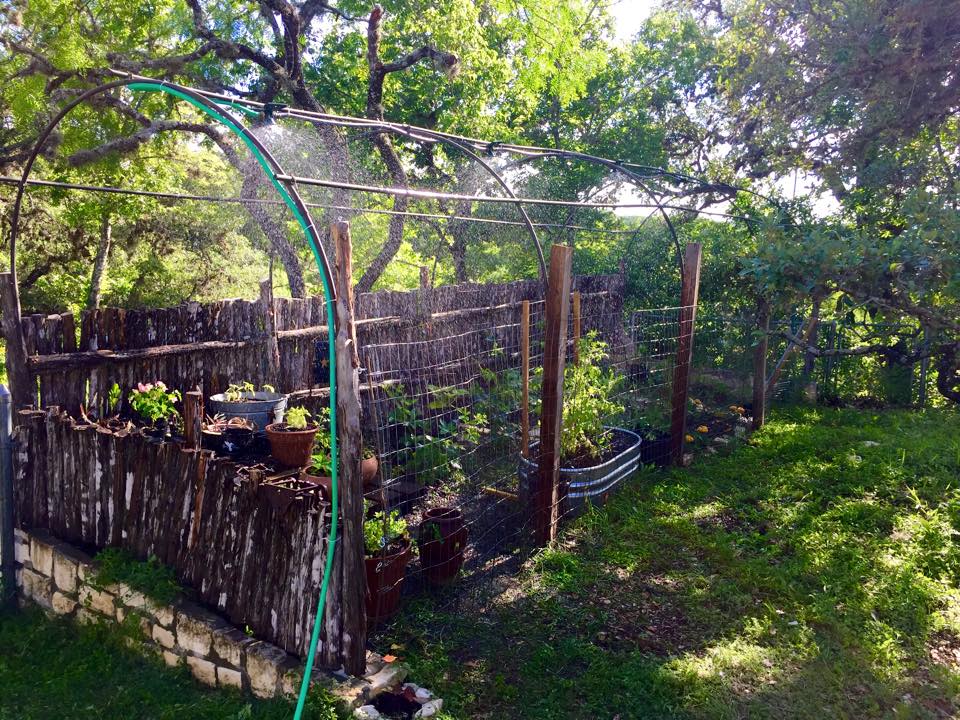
(441, 541)
(292, 448)
(618, 443)
(385, 572)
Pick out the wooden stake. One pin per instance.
(351, 606)
(23, 391)
(689, 293)
(760, 366)
(547, 495)
(576, 327)
(271, 371)
(192, 419)
(525, 379)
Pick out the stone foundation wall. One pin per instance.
(61, 579)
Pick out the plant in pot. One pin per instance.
(156, 404)
(262, 407)
(369, 466)
(291, 441)
(230, 436)
(441, 540)
(388, 552)
(319, 470)
(594, 457)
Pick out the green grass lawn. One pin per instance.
(55, 669)
(811, 573)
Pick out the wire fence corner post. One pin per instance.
(8, 583)
(760, 364)
(351, 604)
(689, 293)
(546, 495)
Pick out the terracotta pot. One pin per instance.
(368, 472)
(324, 483)
(441, 540)
(292, 448)
(384, 582)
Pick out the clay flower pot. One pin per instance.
(368, 472)
(385, 581)
(441, 541)
(292, 448)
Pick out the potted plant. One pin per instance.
(594, 457)
(156, 405)
(369, 465)
(388, 552)
(262, 407)
(291, 441)
(319, 470)
(441, 540)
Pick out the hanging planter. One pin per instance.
(282, 493)
(441, 541)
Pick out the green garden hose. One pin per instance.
(331, 349)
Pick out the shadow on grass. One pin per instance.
(801, 575)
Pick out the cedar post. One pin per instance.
(576, 327)
(525, 379)
(271, 372)
(689, 292)
(760, 365)
(192, 419)
(22, 390)
(547, 495)
(350, 604)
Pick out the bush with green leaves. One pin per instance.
(588, 401)
(321, 463)
(382, 530)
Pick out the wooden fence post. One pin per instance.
(760, 365)
(576, 327)
(271, 370)
(525, 379)
(192, 419)
(546, 494)
(22, 390)
(350, 604)
(689, 292)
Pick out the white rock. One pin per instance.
(367, 712)
(429, 709)
(423, 695)
(870, 443)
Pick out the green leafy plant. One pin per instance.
(588, 402)
(321, 458)
(430, 449)
(113, 398)
(154, 402)
(298, 418)
(382, 530)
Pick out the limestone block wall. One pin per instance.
(61, 579)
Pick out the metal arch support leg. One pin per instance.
(292, 199)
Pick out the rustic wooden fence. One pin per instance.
(197, 514)
(210, 345)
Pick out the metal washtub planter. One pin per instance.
(261, 407)
(590, 485)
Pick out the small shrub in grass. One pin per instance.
(151, 577)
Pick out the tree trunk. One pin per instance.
(100, 263)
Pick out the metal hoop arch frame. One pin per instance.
(288, 192)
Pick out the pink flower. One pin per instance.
(143, 388)
(160, 385)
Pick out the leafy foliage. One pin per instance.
(383, 529)
(588, 401)
(154, 402)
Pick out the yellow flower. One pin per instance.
(703, 429)
(688, 438)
